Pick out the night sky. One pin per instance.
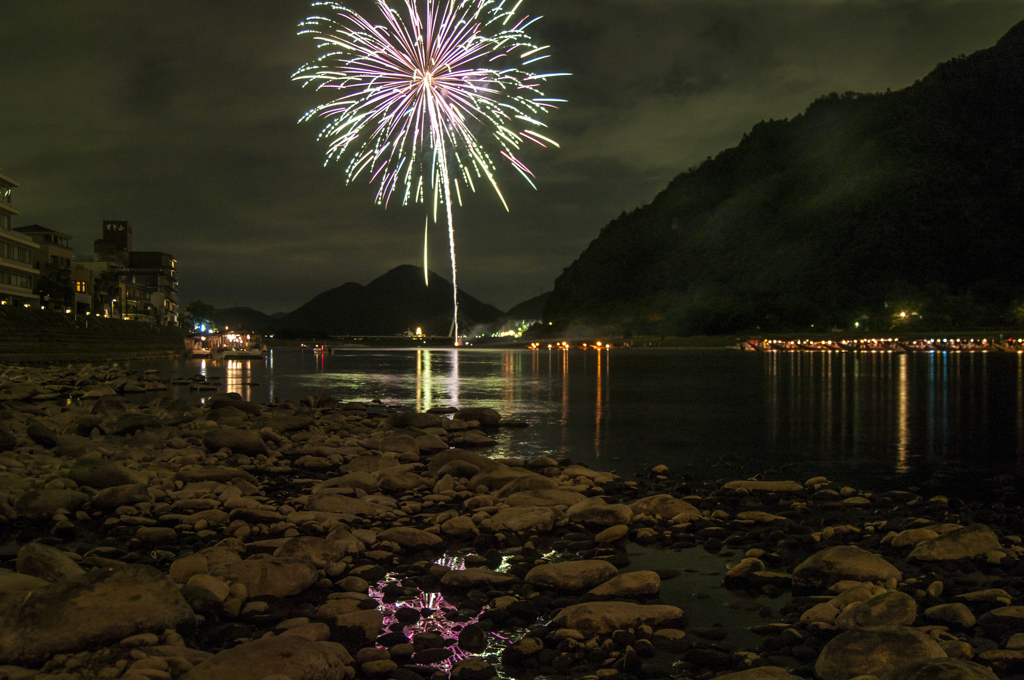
(181, 117)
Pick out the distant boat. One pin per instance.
(226, 346)
(241, 346)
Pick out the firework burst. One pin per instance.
(427, 99)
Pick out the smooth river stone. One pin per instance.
(865, 651)
(521, 519)
(544, 498)
(970, 541)
(337, 503)
(476, 577)
(93, 610)
(940, 669)
(603, 618)
(571, 576)
(778, 487)
(842, 563)
(410, 538)
(762, 673)
(291, 656)
(668, 507)
(632, 585)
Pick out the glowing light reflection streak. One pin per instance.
(903, 428)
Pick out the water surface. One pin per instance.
(874, 419)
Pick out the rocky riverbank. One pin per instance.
(150, 538)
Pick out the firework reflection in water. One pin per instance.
(434, 621)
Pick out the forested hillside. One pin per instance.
(863, 208)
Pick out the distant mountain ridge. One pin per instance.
(528, 310)
(245, 318)
(396, 302)
(862, 206)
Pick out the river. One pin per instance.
(875, 420)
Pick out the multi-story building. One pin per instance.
(116, 239)
(148, 281)
(18, 253)
(157, 274)
(53, 260)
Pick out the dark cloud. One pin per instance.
(180, 116)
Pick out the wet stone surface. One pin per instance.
(152, 538)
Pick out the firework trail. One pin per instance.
(426, 98)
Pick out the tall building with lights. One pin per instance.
(18, 253)
(149, 279)
(53, 260)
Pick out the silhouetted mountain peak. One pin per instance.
(1014, 39)
(397, 301)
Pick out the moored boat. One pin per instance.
(241, 346)
(226, 346)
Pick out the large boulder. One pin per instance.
(940, 669)
(889, 609)
(912, 537)
(544, 498)
(311, 548)
(533, 482)
(765, 486)
(411, 538)
(604, 618)
(273, 576)
(333, 502)
(572, 576)
(458, 456)
(761, 673)
(357, 628)
(665, 506)
(354, 480)
(282, 424)
(41, 434)
(100, 473)
(399, 443)
(1002, 621)
(291, 656)
(498, 476)
(418, 420)
(47, 562)
(956, 615)
(42, 503)
(597, 512)
(213, 473)
(485, 416)
(245, 442)
(874, 651)
(399, 480)
(124, 494)
(971, 541)
(130, 423)
(632, 585)
(520, 519)
(15, 587)
(89, 611)
(477, 577)
(842, 563)
(459, 527)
